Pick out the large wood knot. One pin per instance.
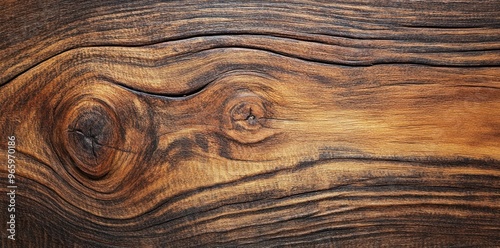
(88, 132)
(91, 136)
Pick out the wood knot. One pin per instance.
(246, 117)
(89, 131)
(99, 134)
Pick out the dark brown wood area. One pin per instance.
(251, 123)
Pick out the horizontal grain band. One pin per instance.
(342, 51)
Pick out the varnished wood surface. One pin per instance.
(252, 123)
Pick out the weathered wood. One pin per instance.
(283, 123)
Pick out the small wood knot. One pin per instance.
(246, 116)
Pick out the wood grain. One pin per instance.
(234, 124)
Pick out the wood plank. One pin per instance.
(287, 123)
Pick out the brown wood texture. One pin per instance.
(251, 123)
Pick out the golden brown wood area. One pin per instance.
(251, 124)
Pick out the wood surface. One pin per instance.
(252, 123)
